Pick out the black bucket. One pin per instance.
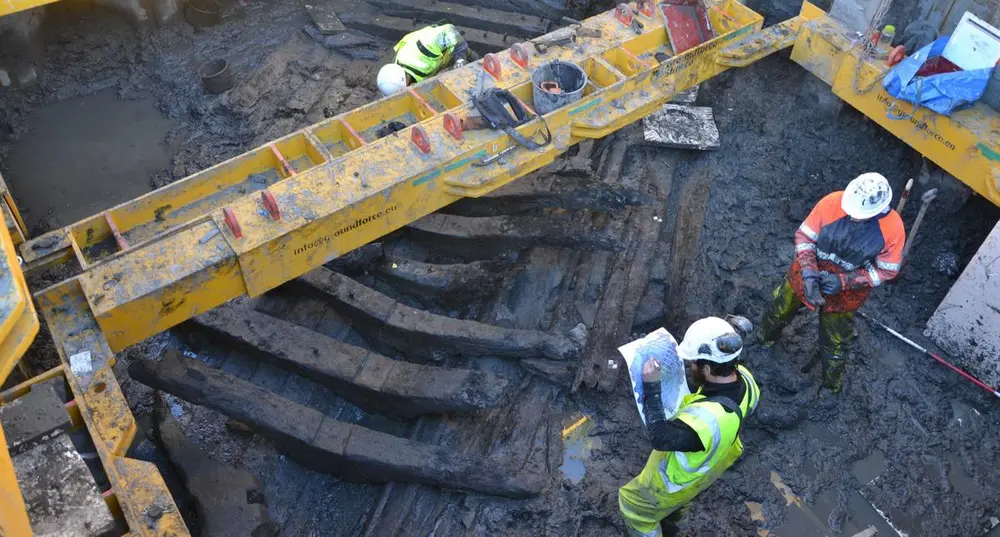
(216, 75)
(203, 13)
(556, 84)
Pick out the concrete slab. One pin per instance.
(59, 492)
(964, 325)
(30, 420)
(681, 126)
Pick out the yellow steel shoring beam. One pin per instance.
(966, 144)
(13, 6)
(256, 221)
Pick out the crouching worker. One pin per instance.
(692, 449)
(422, 54)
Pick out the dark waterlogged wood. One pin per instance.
(325, 444)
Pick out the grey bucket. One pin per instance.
(571, 81)
(216, 75)
(203, 13)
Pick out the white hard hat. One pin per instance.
(711, 339)
(866, 196)
(391, 79)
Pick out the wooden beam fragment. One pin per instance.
(490, 236)
(367, 379)
(417, 333)
(324, 444)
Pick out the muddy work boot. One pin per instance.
(782, 308)
(670, 526)
(835, 333)
(833, 374)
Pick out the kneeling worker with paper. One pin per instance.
(700, 438)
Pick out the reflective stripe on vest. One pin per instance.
(752, 396)
(706, 415)
(419, 53)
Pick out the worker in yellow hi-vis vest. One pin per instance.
(691, 450)
(422, 54)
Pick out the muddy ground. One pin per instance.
(917, 442)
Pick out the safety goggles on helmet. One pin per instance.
(711, 339)
(867, 196)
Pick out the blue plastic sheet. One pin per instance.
(942, 93)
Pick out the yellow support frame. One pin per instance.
(153, 262)
(965, 144)
(13, 6)
(18, 328)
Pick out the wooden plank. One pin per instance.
(549, 191)
(628, 277)
(481, 18)
(365, 378)
(459, 234)
(325, 444)
(417, 333)
(393, 28)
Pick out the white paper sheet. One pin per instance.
(662, 347)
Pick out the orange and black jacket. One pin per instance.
(865, 254)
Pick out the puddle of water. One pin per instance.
(812, 520)
(962, 415)
(85, 155)
(960, 481)
(892, 358)
(821, 432)
(867, 469)
(578, 446)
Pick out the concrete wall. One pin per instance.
(967, 323)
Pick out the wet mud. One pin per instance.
(906, 437)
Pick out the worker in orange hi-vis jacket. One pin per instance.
(850, 243)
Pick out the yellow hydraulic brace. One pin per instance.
(11, 217)
(965, 144)
(13, 6)
(767, 42)
(265, 217)
(18, 327)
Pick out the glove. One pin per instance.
(830, 283)
(918, 34)
(810, 287)
(459, 62)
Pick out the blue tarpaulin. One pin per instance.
(943, 93)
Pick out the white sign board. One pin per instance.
(974, 45)
(662, 347)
